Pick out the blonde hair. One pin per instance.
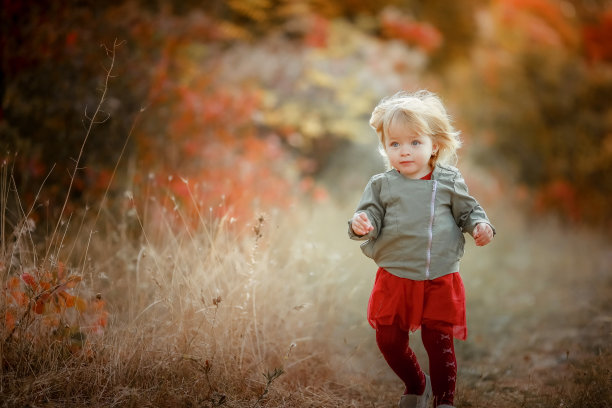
(424, 112)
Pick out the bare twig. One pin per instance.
(125, 144)
(92, 121)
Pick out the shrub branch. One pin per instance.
(111, 52)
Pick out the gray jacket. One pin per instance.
(418, 224)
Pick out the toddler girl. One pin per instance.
(413, 218)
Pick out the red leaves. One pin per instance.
(29, 280)
(12, 283)
(542, 21)
(9, 320)
(39, 307)
(209, 152)
(81, 305)
(69, 299)
(71, 39)
(597, 38)
(561, 196)
(422, 35)
(14, 293)
(39, 301)
(72, 281)
(317, 33)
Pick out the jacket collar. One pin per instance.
(436, 174)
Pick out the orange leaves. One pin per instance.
(12, 283)
(98, 308)
(318, 32)
(69, 299)
(207, 151)
(561, 196)
(9, 320)
(41, 289)
(61, 270)
(543, 22)
(20, 298)
(39, 306)
(71, 39)
(72, 281)
(38, 303)
(81, 305)
(308, 186)
(422, 35)
(13, 292)
(597, 38)
(29, 280)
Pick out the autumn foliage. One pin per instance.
(422, 35)
(226, 109)
(554, 138)
(217, 158)
(40, 305)
(157, 268)
(215, 135)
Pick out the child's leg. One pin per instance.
(393, 344)
(442, 364)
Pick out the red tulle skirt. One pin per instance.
(438, 304)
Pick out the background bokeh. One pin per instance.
(255, 98)
(201, 237)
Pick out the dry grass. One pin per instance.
(208, 315)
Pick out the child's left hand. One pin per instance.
(483, 234)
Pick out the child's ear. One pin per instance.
(434, 149)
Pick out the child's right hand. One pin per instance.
(360, 223)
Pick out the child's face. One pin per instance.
(408, 151)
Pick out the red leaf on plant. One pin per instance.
(20, 297)
(73, 281)
(28, 279)
(61, 268)
(98, 305)
(13, 283)
(71, 39)
(80, 304)
(103, 320)
(9, 320)
(39, 307)
(68, 298)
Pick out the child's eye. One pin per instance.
(416, 142)
(394, 144)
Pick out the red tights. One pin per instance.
(393, 343)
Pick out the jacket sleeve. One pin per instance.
(370, 204)
(466, 210)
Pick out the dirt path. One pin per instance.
(540, 325)
(539, 303)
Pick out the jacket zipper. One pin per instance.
(431, 220)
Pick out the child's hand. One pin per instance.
(361, 224)
(483, 234)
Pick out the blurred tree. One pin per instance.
(298, 77)
(52, 70)
(52, 73)
(548, 107)
(456, 22)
